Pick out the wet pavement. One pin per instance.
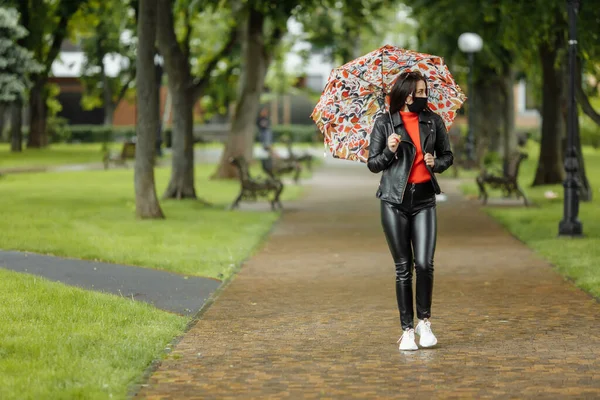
(313, 313)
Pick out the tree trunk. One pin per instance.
(3, 108)
(509, 139)
(16, 126)
(487, 113)
(107, 96)
(109, 105)
(181, 184)
(550, 169)
(176, 65)
(37, 116)
(146, 202)
(256, 60)
(109, 112)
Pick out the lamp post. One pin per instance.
(158, 64)
(570, 224)
(470, 43)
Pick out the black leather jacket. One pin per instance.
(396, 167)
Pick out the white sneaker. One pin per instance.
(427, 338)
(407, 340)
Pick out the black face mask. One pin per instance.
(419, 103)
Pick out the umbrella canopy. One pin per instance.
(356, 94)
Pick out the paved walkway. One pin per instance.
(313, 314)
(165, 290)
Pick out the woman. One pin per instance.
(264, 128)
(402, 145)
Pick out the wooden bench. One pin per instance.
(507, 182)
(305, 158)
(253, 188)
(275, 166)
(127, 153)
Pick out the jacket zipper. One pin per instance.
(431, 169)
(409, 171)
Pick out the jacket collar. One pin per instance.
(423, 117)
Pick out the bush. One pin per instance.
(99, 133)
(589, 133)
(58, 129)
(298, 133)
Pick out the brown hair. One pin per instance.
(405, 86)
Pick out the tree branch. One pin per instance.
(168, 45)
(124, 89)
(582, 98)
(188, 34)
(200, 84)
(59, 35)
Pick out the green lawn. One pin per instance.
(91, 215)
(60, 342)
(56, 154)
(68, 154)
(537, 226)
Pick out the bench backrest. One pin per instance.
(128, 150)
(242, 166)
(514, 163)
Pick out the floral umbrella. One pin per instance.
(355, 95)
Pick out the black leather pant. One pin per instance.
(410, 229)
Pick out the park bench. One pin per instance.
(127, 153)
(305, 158)
(507, 181)
(275, 166)
(253, 188)
(458, 144)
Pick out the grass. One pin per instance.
(86, 153)
(577, 259)
(56, 154)
(61, 342)
(91, 215)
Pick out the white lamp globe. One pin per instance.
(470, 42)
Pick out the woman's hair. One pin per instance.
(405, 85)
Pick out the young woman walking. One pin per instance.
(401, 146)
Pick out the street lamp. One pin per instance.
(570, 224)
(470, 43)
(158, 65)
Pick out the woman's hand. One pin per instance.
(429, 160)
(393, 142)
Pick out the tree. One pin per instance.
(265, 23)
(16, 67)
(540, 27)
(341, 28)
(107, 29)
(146, 202)
(186, 81)
(48, 23)
(440, 24)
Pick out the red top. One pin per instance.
(419, 172)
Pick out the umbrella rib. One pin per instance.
(359, 78)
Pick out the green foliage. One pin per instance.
(105, 29)
(16, 62)
(298, 133)
(58, 129)
(589, 132)
(99, 133)
(336, 27)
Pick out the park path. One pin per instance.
(313, 313)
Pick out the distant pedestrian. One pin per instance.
(402, 146)
(265, 134)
